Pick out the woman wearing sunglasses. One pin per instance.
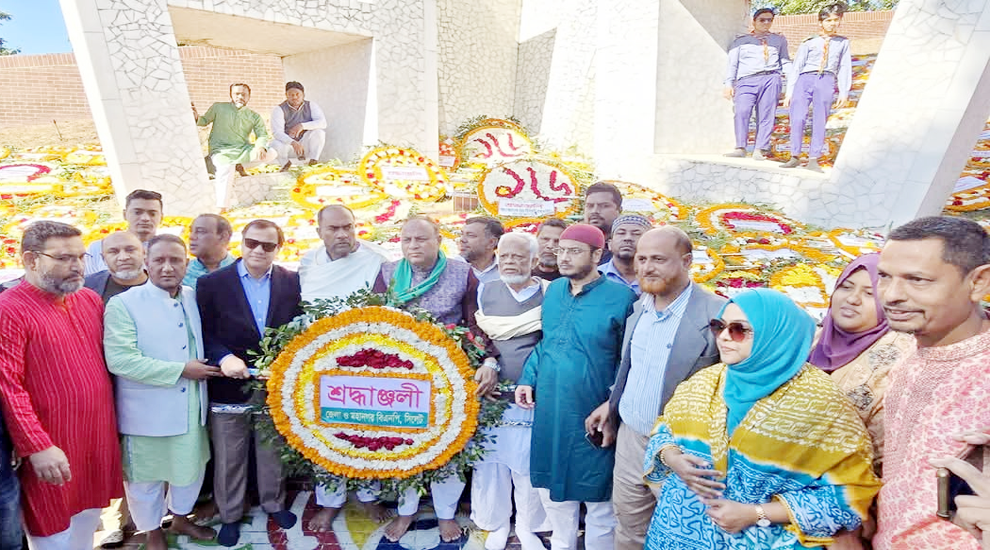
(762, 450)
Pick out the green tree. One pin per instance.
(4, 50)
(790, 7)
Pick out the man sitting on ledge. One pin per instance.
(230, 139)
(299, 127)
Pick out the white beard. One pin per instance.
(514, 279)
(128, 275)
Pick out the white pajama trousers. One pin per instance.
(223, 178)
(149, 502)
(599, 523)
(79, 535)
(338, 497)
(312, 142)
(492, 488)
(445, 493)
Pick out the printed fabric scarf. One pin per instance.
(402, 280)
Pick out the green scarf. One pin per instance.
(402, 280)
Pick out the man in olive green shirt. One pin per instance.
(230, 139)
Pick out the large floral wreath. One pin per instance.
(367, 392)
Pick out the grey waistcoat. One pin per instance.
(497, 300)
(293, 117)
(444, 299)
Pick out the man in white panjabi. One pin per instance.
(153, 344)
(299, 127)
(340, 267)
(509, 311)
(343, 265)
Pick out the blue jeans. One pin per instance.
(10, 501)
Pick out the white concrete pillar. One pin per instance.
(129, 62)
(924, 106)
(625, 86)
(694, 37)
(340, 81)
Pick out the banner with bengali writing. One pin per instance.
(372, 401)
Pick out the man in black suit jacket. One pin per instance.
(236, 304)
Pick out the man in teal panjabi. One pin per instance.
(570, 371)
(230, 139)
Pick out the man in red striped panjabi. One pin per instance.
(56, 392)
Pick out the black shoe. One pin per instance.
(738, 153)
(793, 163)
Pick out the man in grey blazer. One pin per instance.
(666, 341)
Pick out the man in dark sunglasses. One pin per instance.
(236, 304)
(667, 339)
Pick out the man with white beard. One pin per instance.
(509, 311)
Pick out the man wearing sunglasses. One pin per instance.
(569, 373)
(666, 341)
(753, 79)
(236, 304)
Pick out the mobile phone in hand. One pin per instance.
(595, 439)
(949, 487)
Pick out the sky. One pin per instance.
(36, 26)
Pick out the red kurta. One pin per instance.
(56, 390)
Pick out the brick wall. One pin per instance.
(210, 72)
(34, 89)
(865, 29)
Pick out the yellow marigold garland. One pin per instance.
(427, 333)
(370, 171)
(489, 201)
(305, 192)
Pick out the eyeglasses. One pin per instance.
(266, 246)
(737, 331)
(568, 251)
(65, 258)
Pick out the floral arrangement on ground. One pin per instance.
(366, 392)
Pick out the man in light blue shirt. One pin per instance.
(666, 341)
(626, 231)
